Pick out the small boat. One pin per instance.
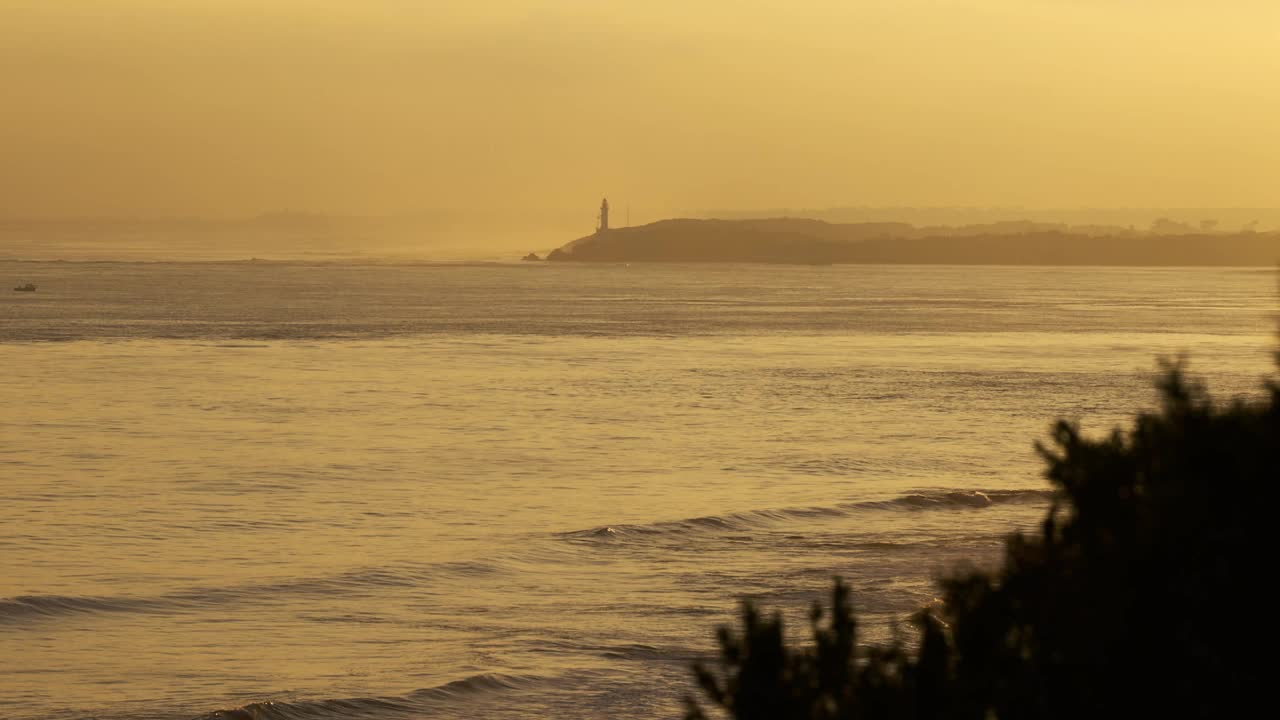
(29, 287)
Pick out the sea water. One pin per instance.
(313, 490)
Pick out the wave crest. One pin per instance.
(747, 521)
(27, 608)
(373, 708)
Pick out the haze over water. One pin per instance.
(525, 490)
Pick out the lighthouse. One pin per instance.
(604, 216)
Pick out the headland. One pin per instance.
(802, 241)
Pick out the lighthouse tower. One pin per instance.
(604, 216)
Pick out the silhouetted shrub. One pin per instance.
(1137, 597)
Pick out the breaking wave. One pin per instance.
(956, 499)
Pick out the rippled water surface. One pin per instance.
(323, 491)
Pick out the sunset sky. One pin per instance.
(225, 108)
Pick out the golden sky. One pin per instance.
(235, 107)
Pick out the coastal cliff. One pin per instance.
(802, 241)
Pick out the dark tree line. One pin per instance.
(1142, 594)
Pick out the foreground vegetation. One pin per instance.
(1140, 595)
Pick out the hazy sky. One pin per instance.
(233, 107)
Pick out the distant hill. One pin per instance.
(803, 241)
(1220, 218)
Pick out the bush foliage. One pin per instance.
(1135, 597)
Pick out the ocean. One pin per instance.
(336, 490)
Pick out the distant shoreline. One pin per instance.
(793, 241)
(515, 263)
